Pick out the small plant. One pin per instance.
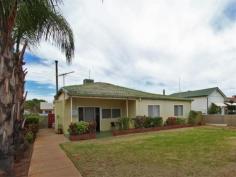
(29, 137)
(124, 123)
(59, 128)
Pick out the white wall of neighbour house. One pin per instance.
(215, 97)
(166, 107)
(199, 104)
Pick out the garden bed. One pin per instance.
(142, 130)
(86, 136)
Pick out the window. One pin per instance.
(111, 113)
(178, 110)
(153, 110)
(86, 113)
(115, 113)
(106, 113)
(89, 114)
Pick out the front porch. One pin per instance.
(102, 110)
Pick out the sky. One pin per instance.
(148, 45)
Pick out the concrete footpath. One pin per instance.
(48, 159)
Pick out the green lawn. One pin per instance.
(198, 152)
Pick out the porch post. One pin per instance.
(71, 106)
(127, 108)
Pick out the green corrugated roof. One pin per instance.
(100, 89)
(197, 93)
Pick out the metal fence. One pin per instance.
(230, 120)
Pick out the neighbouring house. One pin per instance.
(231, 102)
(46, 108)
(106, 103)
(204, 98)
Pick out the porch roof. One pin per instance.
(100, 89)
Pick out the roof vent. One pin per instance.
(88, 81)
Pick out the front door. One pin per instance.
(97, 115)
(90, 114)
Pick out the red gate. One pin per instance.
(51, 120)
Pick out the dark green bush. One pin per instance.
(32, 119)
(195, 118)
(180, 121)
(29, 136)
(147, 122)
(214, 109)
(139, 121)
(124, 123)
(157, 121)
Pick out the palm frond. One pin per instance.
(41, 19)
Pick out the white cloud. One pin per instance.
(132, 42)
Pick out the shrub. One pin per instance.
(32, 119)
(139, 121)
(148, 122)
(124, 123)
(73, 129)
(157, 121)
(214, 109)
(171, 121)
(29, 137)
(82, 127)
(180, 121)
(195, 118)
(92, 127)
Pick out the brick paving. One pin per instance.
(48, 159)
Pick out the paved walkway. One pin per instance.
(48, 160)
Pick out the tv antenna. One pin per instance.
(64, 76)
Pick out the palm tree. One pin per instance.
(24, 23)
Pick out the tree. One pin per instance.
(33, 105)
(214, 109)
(24, 23)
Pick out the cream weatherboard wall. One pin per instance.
(166, 107)
(65, 115)
(105, 124)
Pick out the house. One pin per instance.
(106, 103)
(204, 98)
(46, 108)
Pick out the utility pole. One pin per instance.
(56, 68)
(179, 85)
(64, 75)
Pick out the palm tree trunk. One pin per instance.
(11, 92)
(7, 110)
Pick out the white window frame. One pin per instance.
(159, 106)
(111, 113)
(182, 110)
